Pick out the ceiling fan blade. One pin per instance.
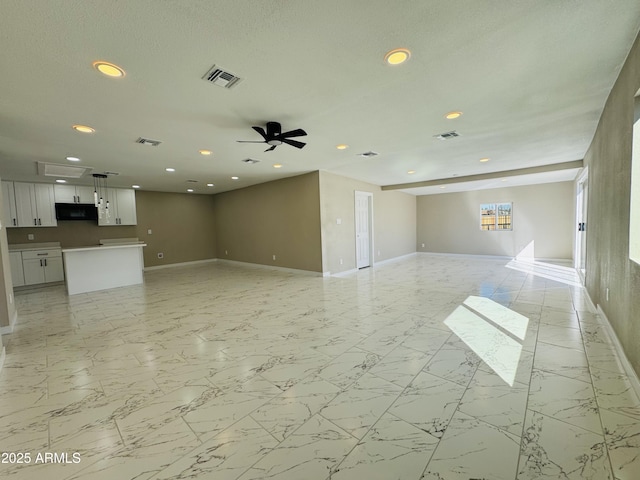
(293, 133)
(261, 131)
(272, 148)
(273, 129)
(293, 143)
(250, 141)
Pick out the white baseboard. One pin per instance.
(375, 264)
(3, 355)
(394, 259)
(181, 264)
(345, 273)
(12, 323)
(269, 267)
(472, 255)
(626, 364)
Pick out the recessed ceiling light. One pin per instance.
(135, 186)
(169, 169)
(443, 186)
(108, 69)
(485, 159)
(210, 185)
(235, 178)
(190, 190)
(277, 165)
(73, 159)
(61, 181)
(452, 115)
(504, 179)
(83, 128)
(411, 172)
(397, 56)
(342, 146)
(205, 152)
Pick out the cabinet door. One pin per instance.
(10, 218)
(126, 200)
(53, 271)
(84, 194)
(17, 273)
(33, 271)
(64, 193)
(25, 208)
(45, 205)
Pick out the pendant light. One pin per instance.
(100, 191)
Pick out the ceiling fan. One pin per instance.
(273, 136)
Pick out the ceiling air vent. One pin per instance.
(220, 77)
(368, 154)
(447, 135)
(250, 161)
(192, 181)
(146, 141)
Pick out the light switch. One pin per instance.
(149, 232)
(339, 221)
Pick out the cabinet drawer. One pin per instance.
(49, 253)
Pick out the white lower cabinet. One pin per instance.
(17, 272)
(42, 266)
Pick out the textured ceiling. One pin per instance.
(530, 77)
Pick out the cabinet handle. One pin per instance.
(14, 222)
(39, 222)
(35, 222)
(40, 254)
(41, 262)
(45, 262)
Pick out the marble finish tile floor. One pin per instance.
(431, 367)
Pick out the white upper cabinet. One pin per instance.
(9, 214)
(73, 194)
(122, 207)
(35, 205)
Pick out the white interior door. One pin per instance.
(581, 226)
(363, 229)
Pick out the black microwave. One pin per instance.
(76, 211)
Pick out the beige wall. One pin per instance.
(280, 218)
(609, 163)
(542, 214)
(394, 222)
(182, 225)
(7, 305)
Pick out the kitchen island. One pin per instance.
(89, 269)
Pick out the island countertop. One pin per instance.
(103, 247)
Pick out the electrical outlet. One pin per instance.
(607, 293)
(274, 257)
(30, 236)
(423, 245)
(340, 261)
(149, 232)
(160, 255)
(226, 252)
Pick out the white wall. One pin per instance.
(394, 222)
(542, 214)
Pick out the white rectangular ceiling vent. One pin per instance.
(220, 77)
(146, 141)
(447, 135)
(369, 154)
(250, 161)
(64, 171)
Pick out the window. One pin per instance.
(496, 216)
